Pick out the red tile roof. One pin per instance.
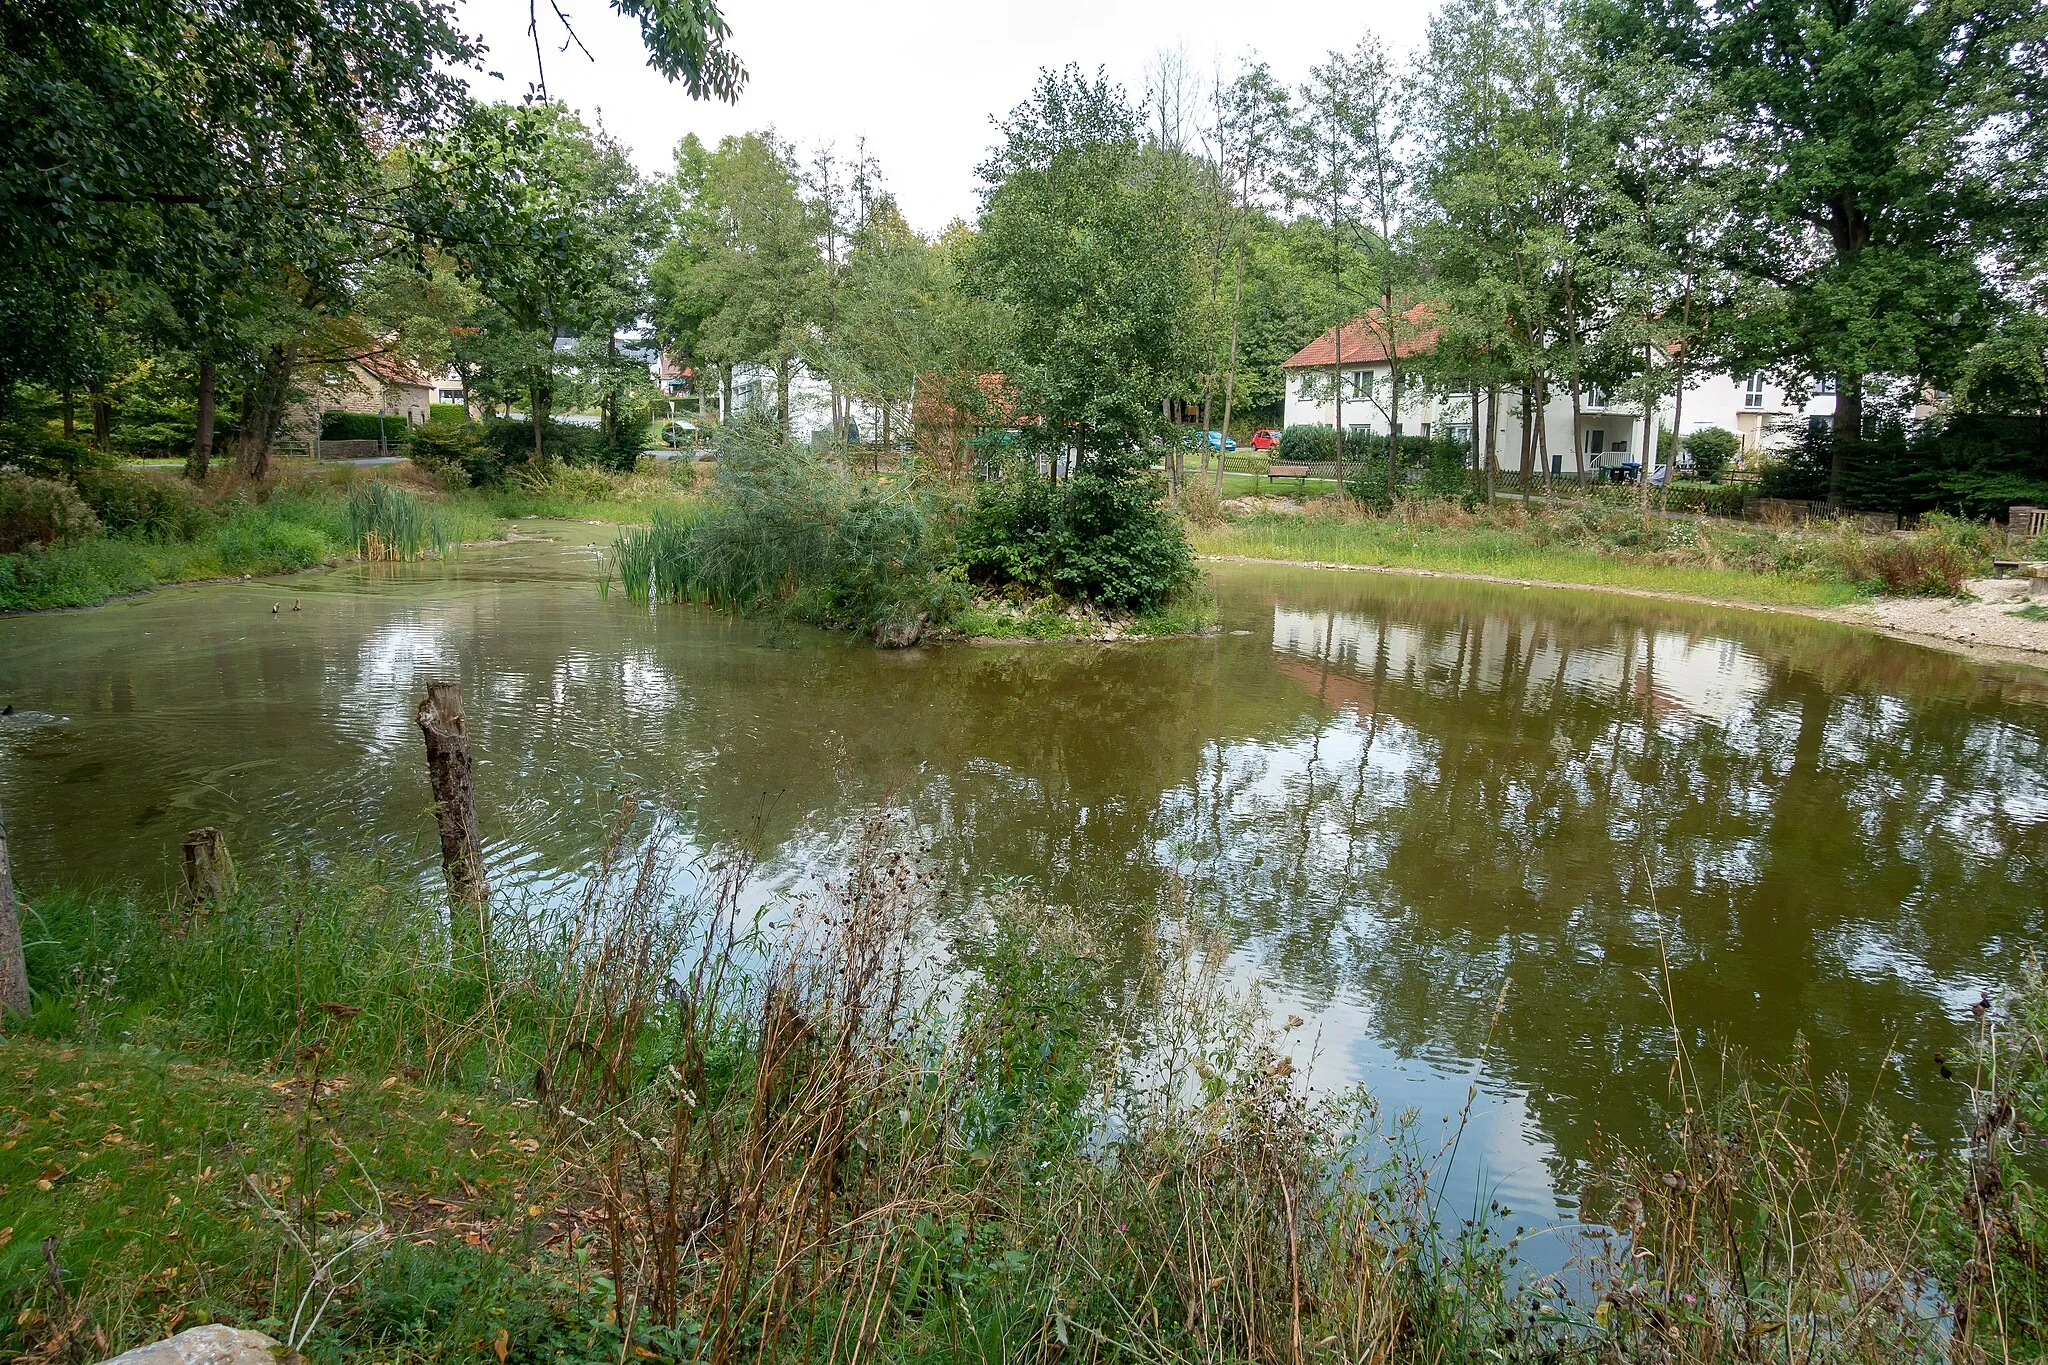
(1364, 342)
(389, 368)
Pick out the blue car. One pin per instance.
(1217, 440)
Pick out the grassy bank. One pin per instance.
(1609, 546)
(654, 1127)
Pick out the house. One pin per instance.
(1610, 430)
(373, 383)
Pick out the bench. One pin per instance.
(1297, 472)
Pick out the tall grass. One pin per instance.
(782, 1138)
(385, 522)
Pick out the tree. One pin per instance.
(740, 278)
(1084, 246)
(1869, 140)
(1251, 126)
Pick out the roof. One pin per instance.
(392, 370)
(1364, 342)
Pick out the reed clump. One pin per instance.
(386, 522)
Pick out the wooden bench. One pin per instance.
(1297, 472)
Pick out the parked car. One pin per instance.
(1217, 440)
(1265, 440)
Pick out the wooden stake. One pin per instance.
(448, 770)
(13, 968)
(209, 874)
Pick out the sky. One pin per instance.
(919, 79)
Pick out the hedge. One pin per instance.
(447, 412)
(360, 426)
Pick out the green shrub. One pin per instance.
(1933, 560)
(44, 512)
(1446, 469)
(511, 443)
(361, 426)
(1307, 445)
(254, 542)
(131, 502)
(1712, 451)
(1710, 499)
(34, 449)
(447, 413)
(1102, 536)
(1368, 484)
(454, 453)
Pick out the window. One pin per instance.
(1357, 431)
(1425, 431)
(1361, 384)
(1620, 447)
(1461, 433)
(1596, 397)
(1753, 395)
(449, 396)
(1596, 441)
(1824, 385)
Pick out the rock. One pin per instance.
(900, 632)
(214, 1344)
(1997, 589)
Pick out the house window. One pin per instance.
(1596, 441)
(1596, 397)
(1824, 385)
(1361, 384)
(1357, 431)
(1753, 395)
(1425, 431)
(1461, 433)
(1620, 447)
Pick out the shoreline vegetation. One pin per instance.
(652, 1124)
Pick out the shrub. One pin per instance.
(1712, 451)
(1199, 502)
(1932, 560)
(1102, 536)
(1307, 445)
(568, 482)
(130, 502)
(34, 449)
(448, 413)
(1445, 469)
(253, 542)
(362, 426)
(44, 512)
(512, 444)
(1368, 484)
(1710, 499)
(454, 453)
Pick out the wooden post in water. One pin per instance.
(209, 874)
(448, 771)
(13, 969)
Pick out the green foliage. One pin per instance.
(1308, 444)
(34, 449)
(448, 413)
(454, 453)
(133, 502)
(787, 530)
(1712, 499)
(41, 512)
(363, 426)
(1368, 484)
(1101, 536)
(1712, 450)
(387, 522)
(1447, 469)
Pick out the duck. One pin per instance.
(295, 604)
(274, 606)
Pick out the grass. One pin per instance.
(653, 1126)
(1610, 546)
(2035, 612)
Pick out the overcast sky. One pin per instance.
(919, 79)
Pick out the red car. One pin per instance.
(1265, 440)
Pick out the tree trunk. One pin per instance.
(102, 416)
(537, 416)
(782, 395)
(1393, 426)
(1578, 441)
(263, 404)
(1677, 435)
(1543, 433)
(449, 776)
(1492, 452)
(1338, 371)
(202, 437)
(70, 413)
(1848, 430)
(14, 996)
(1528, 435)
(1230, 373)
(209, 872)
(1649, 438)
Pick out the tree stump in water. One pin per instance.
(209, 874)
(448, 771)
(13, 970)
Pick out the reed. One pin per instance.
(386, 522)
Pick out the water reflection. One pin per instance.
(1389, 795)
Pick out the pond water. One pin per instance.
(1388, 794)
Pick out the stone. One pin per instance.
(214, 1344)
(1996, 589)
(900, 632)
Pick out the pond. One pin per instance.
(1388, 795)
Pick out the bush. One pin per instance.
(43, 512)
(448, 413)
(1199, 502)
(1307, 445)
(1368, 484)
(362, 426)
(1102, 536)
(1931, 561)
(254, 542)
(34, 449)
(454, 453)
(511, 442)
(130, 502)
(1709, 499)
(1712, 451)
(1446, 469)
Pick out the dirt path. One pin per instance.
(1981, 630)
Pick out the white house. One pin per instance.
(1610, 431)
